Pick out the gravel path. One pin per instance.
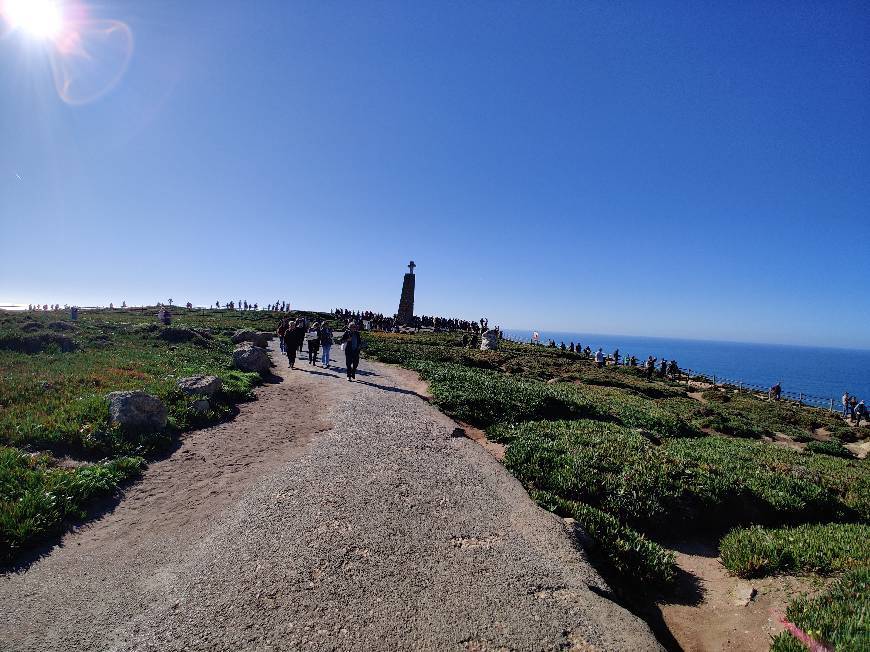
(382, 532)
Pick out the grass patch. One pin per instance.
(484, 398)
(837, 618)
(37, 498)
(636, 559)
(831, 447)
(825, 548)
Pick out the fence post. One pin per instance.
(832, 406)
(714, 380)
(801, 398)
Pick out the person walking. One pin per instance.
(292, 336)
(845, 404)
(283, 325)
(303, 323)
(325, 344)
(853, 403)
(352, 344)
(650, 367)
(313, 337)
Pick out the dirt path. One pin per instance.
(327, 515)
(721, 612)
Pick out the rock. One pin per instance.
(744, 594)
(202, 405)
(552, 381)
(255, 338)
(248, 357)
(206, 386)
(489, 341)
(136, 410)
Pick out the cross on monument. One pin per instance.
(411, 266)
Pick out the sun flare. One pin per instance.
(41, 19)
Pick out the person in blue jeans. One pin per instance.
(325, 344)
(352, 342)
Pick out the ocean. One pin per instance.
(823, 373)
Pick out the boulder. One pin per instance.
(489, 341)
(248, 357)
(136, 410)
(255, 338)
(206, 386)
(201, 406)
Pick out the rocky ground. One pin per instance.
(328, 515)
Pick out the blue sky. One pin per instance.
(666, 169)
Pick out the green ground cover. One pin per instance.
(54, 376)
(631, 459)
(838, 618)
(819, 548)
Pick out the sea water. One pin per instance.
(816, 371)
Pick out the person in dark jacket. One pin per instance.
(352, 342)
(282, 328)
(293, 337)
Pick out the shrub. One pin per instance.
(831, 447)
(716, 396)
(634, 557)
(756, 551)
(714, 481)
(601, 464)
(484, 397)
(837, 618)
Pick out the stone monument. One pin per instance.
(406, 303)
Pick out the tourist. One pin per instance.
(650, 367)
(853, 403)
(292, 337)
(313, 338)
(860, 413)
(845, 400)
(351, 342)
(663, 367)
(774, 392)
(616, 357)
(599, 358)
(283, 325)
(325, 343)
(302, 323)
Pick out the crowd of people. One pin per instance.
(294, 334)
(378, 322)
(652, 365)
(854, 409)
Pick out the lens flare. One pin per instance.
(88, 54)
(41, 19)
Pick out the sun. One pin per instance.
(41, 19)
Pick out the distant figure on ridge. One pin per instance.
(599, 358)
(845, 400)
